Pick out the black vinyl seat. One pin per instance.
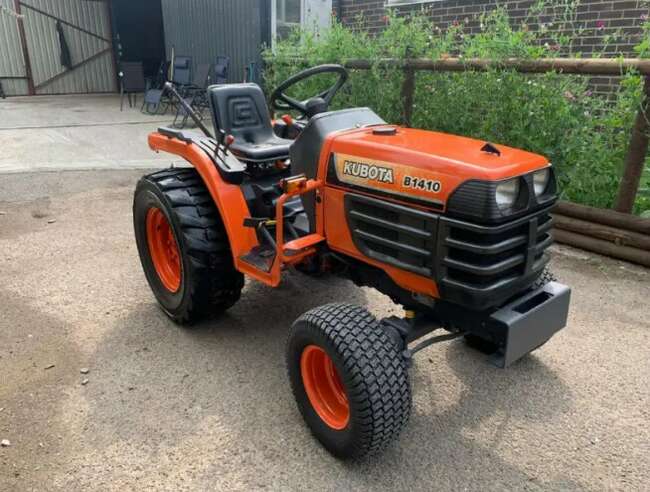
(240, 110)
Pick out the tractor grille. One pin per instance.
(483, 265)
(393, 234)
(478, 266)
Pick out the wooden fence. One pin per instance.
(610, 232)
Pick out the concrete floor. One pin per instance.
(76, 132)
(210, 408)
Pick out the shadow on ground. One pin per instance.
(232, 390)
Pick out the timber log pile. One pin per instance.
(602, 231)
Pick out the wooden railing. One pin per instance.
(607, 232)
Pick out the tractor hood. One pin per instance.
(423, 164)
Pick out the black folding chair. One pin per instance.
(155, 101)
(132, 82)
(182, 74)
(195, 95)
(221, 70)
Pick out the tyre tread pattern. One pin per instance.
(380, 389)
(217, 284)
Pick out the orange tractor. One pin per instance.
(453, 229)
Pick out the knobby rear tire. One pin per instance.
(209, 282)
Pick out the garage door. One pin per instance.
(56, 47)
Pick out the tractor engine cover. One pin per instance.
(420, 165)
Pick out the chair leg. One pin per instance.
(121, 99)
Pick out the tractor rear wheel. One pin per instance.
(183, 246)
(349, 379)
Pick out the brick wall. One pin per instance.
(599, 17)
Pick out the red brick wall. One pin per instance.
(598, 16)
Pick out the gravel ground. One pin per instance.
(210, 408)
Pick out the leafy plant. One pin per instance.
(584, 134)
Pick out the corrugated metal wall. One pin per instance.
(11, 55)
(205, 29)
(43, 45)
(87, 34)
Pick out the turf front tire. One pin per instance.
(183, 246)
(349, 379)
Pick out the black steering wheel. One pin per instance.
(281, 102)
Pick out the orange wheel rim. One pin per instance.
(163, 249)
(324, 387)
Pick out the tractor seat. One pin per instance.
(240, 110)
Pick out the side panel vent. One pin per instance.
(393, 234)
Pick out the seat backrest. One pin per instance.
(132, 76)
(221, 69)
(240, 110)
(202, 76)
(182, 70)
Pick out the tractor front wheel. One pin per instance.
(349, 380)
(183, 246)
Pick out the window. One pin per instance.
(287, 17)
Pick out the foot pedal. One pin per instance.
(294, 247)
(257, 222)
(261, 257)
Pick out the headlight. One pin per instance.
(540, 181)
(507, 193)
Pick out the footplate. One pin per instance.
(531, 320)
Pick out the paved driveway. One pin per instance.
(75, 132)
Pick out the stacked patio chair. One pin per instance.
(155, 100)
(221, 70)
(195, 95)
(182, 73)
(132, 82)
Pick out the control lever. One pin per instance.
(227, 142)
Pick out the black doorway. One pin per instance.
(138, 33)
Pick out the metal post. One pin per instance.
(23, 42)
(636, 155)
(408, 93)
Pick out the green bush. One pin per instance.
(583, 134)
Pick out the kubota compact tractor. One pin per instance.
(453, 229)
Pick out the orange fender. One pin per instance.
(228, 197)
